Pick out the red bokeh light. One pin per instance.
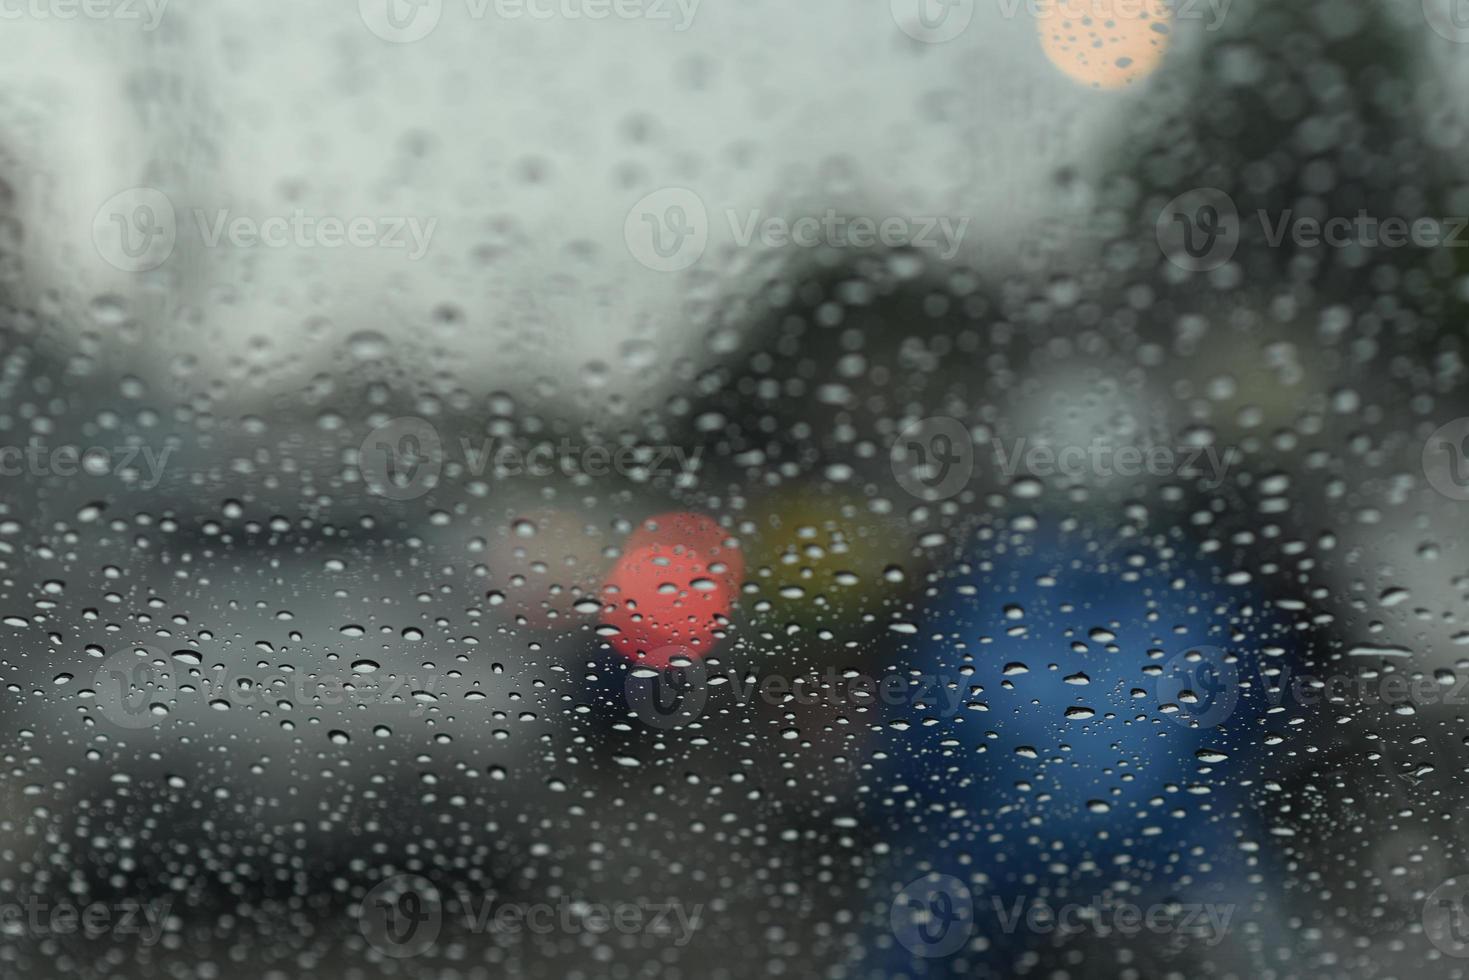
(671, 590)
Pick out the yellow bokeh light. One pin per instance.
(1105, 43)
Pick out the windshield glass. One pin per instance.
(683, 488)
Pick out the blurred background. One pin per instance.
(891, 489)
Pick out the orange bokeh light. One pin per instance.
(1106, 43)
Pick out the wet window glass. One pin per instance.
(686, 488)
